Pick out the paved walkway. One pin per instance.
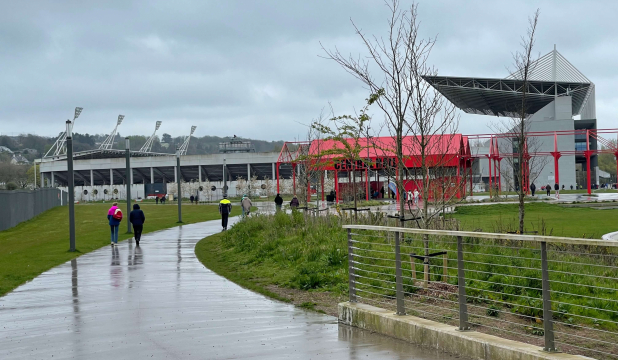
(159, 302)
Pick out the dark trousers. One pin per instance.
(224, 220)
(137, 230)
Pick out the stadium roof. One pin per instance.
(503, 97)
(105, 154)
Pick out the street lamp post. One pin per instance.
(224, 179)
(71, 186)
(178, 178)
(128, 176)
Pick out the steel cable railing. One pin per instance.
(540, 290)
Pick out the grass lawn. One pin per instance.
(555, 219)
(39, 244)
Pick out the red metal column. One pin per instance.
(465, 172)
(278, 178)
(294, 179)
(489, 162)
(556, 156)
(587, 153)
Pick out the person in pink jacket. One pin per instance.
(114, 221)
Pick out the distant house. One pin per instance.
(19, 159)
(5, 149)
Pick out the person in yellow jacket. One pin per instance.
(225, 208)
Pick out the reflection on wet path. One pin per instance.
(157, 301)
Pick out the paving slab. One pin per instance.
(157, 301)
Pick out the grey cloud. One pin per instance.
(253, 67)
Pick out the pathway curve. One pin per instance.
(159, 302)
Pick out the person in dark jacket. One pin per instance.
(137, 218)
(532, 188)
(113, 222)
(192, 198)
(557, 189)
(225, 208)
(548, 189)
(294, 203)
(278, 202)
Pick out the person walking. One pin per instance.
(548, 189)
(294, 203)
(557, 189)
(157, 200)
(191, 198)
(246, 204)
(278, 202)
(532, 188)
(225, 208)
(137, 218)
(410, 198)
(416, 197)
(114, 216)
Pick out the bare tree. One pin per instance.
(410, 105)
(514, 137)
(346, 148)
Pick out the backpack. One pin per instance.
(117, 214)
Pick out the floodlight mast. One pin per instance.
(185, 145)
(59, 147)
(109, 141)
(148, 145)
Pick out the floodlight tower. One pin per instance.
(148, 145)
(109, 142)
(185, 145)
(59, 146)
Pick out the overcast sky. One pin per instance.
(253, 68)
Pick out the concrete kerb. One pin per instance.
(442, 337)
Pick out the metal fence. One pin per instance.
(20, 205)
(555, 292)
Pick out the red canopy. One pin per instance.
(440, 150)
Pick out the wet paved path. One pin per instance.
(159, 302)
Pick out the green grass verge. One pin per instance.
(283, 250)
(41, 243)
(550, 219)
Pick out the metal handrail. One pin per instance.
(465, 268)
(492, 236)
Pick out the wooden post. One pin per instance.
(413, 267)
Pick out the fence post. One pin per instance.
(351, 286)
(401, 310)
(548, 324)
(461, 284)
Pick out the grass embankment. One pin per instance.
(272, 253)
(41, 243)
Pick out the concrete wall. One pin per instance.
(21, 205)
(447, 338)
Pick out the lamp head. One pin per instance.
(120, 118)
(78, 111)
(158, 125)
(69, 129)
(193, 129)
(127, 143)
